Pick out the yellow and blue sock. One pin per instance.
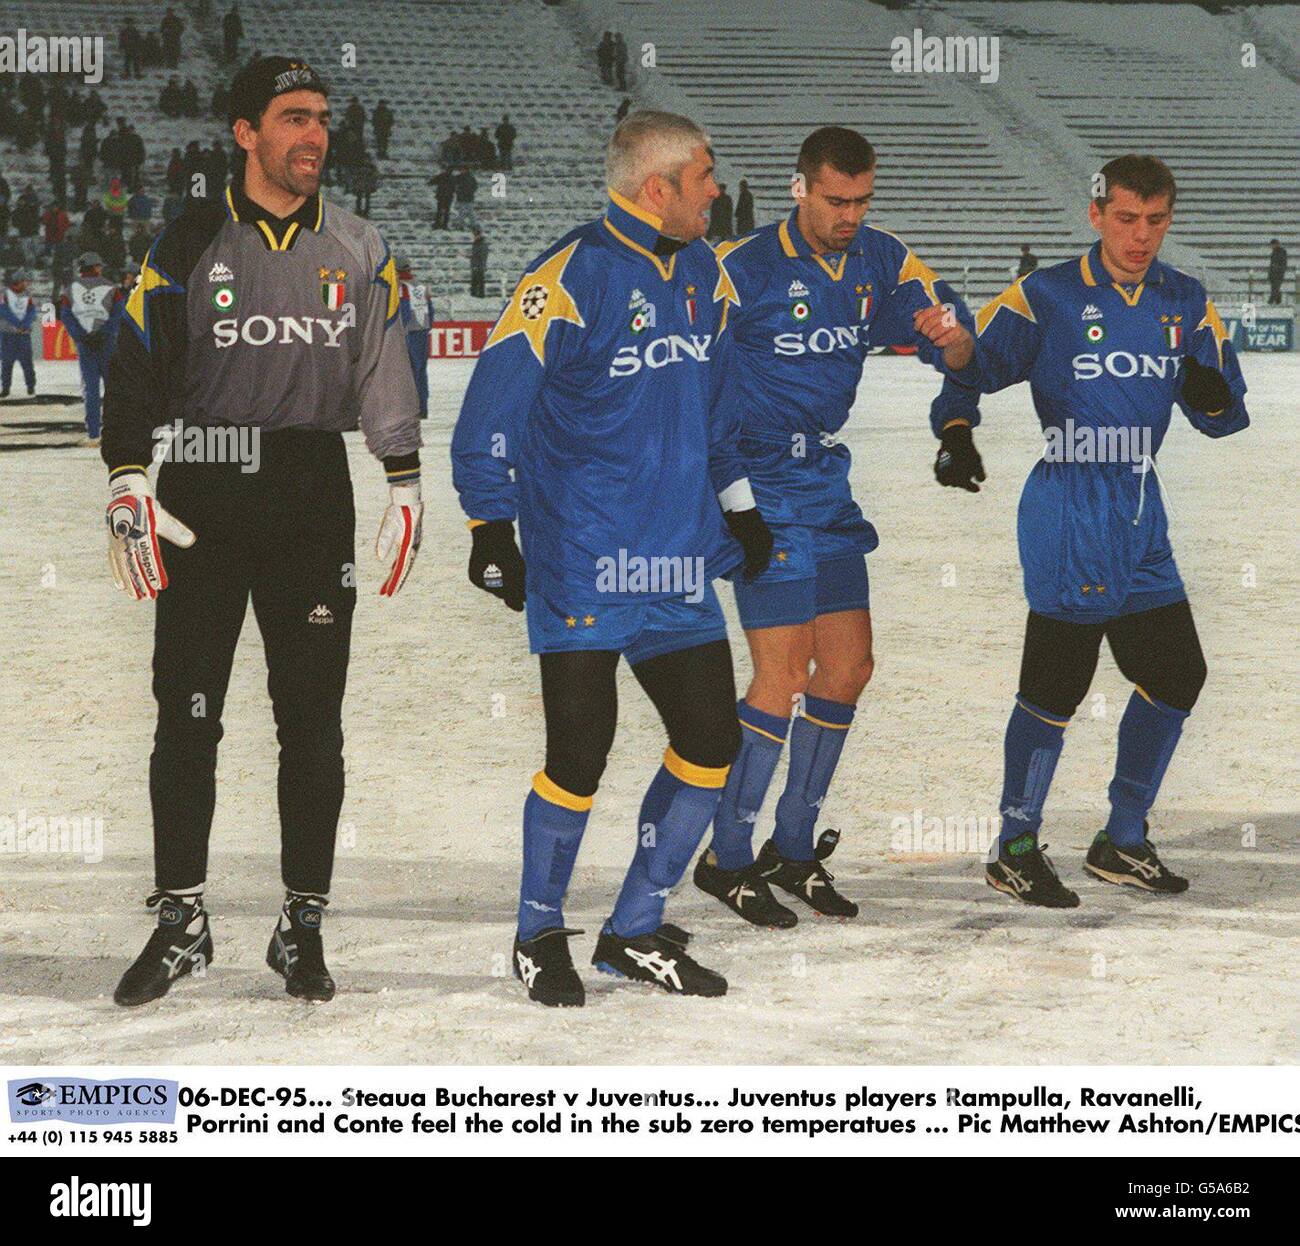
(762, 737)
(1148, 735)
(816, 742)
(678, 807)
(1032, 748)
(554, 821)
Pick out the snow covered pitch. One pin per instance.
(444, 729)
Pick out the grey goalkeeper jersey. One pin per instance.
(241, 317)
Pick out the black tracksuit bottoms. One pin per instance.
(284, 536)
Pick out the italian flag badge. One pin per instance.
(331, 293)
(800, 310)
(1173, 336)
(1094, 333)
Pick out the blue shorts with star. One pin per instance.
(639, 630)
(812, 572)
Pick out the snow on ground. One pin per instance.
(444, 729)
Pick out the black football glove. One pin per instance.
(958, 463)
(755, 537)
(95, 340)
(1204, 389)
(495, 563)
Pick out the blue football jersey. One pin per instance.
(597, 412)
(803, 325)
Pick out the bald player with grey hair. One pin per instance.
(649, 144)
(602, 387)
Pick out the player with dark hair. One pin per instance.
(807, 297)
(1109, 343)
(605, 387)
(266, 315)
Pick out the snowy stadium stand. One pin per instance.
(968, 170)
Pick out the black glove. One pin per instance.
(1204, 389)
(95, 340)
(749, 528)
(495, 563)
(958, 463)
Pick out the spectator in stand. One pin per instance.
(623, 109)
(89, 148)
(505, 136)
(171, 28)
(61, 264)
(1277, 265)
(129, 42)
(151, 53)
(171, 103)
(478, 258)
(416, 309)
(80, 187)
(190, 105)
(85, 312)
(194, 172)
(720, 222)
(220, 101)
(115, 198)
(17, 316)
(93, 225)
(605, 58)
(466, 189)
(744, 210)
(486, 149)
(232, 31)
(140, 206)
(114, 243)
(218, 169)
(173, 206)
(137, 246)
(444, 189)
(176, 173)
(382, 122)
(133, 157)
(27, 213)
(354, 118)
(55, 222)
(620, 62)
(366, 182)
(1028, 261)
(11, 252)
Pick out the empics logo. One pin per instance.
(86, 1101)
(34, 1094)
(119, 1200)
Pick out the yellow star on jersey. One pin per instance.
(1215, 325)
(917, 270)
(1012, 298)
(538, 301)
(726, 288)
(570, 622)
(151, 281)
(589, 620)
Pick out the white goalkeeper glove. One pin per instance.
(399, 535)
(135, 522)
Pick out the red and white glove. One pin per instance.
(399, 536)
(135, 522)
